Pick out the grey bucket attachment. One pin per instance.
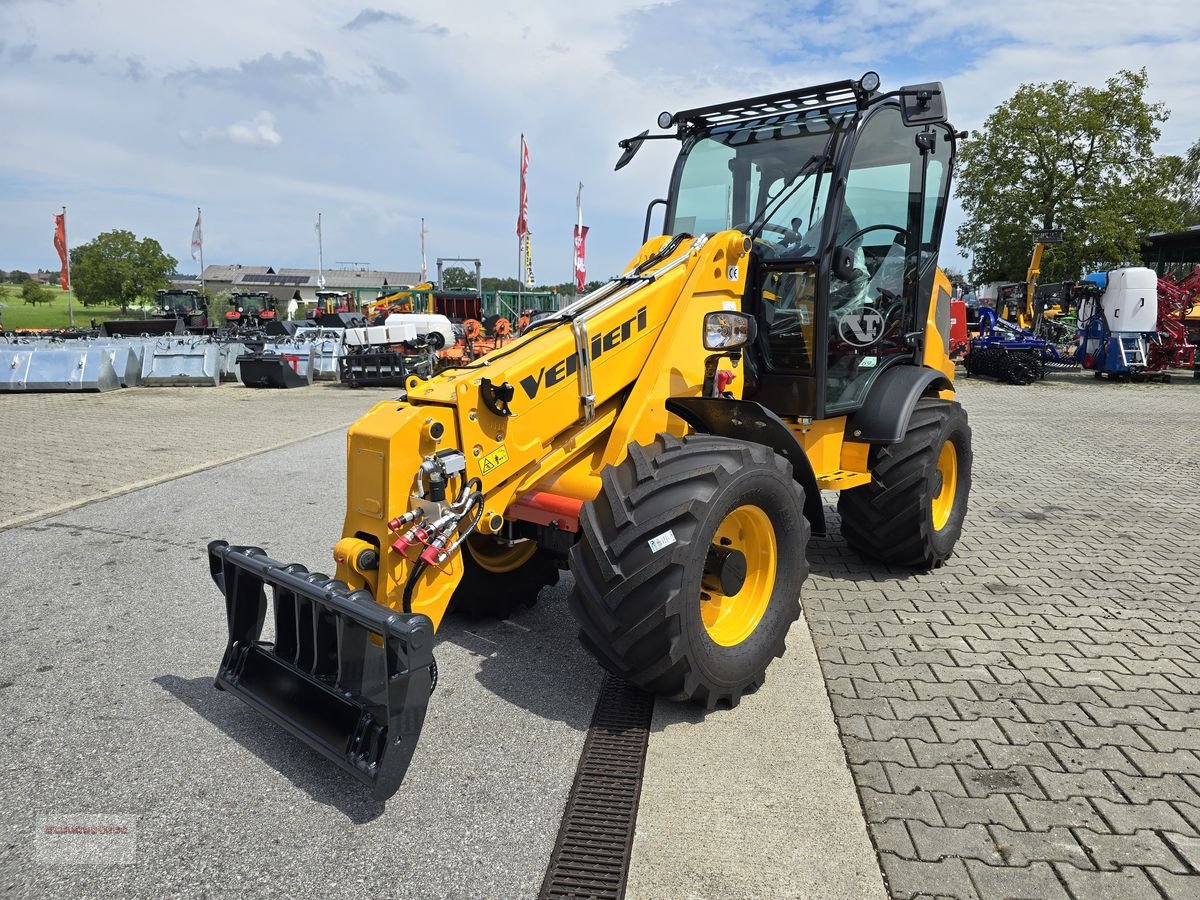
(126, 361)
(135, 327)
(29, 367)
(126, 355)
(229, 359)
(327, 349)
(181, 363)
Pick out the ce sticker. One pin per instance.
(862, 328)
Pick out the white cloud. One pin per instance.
(257, 132)
(407, 118)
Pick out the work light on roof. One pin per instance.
(869, 82)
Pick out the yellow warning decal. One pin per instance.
(493, 460)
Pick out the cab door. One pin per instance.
(884, 220)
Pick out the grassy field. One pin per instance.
(18, 314)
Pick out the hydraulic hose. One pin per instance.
(410, 583)
(477, 498)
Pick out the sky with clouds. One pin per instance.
(132, 113)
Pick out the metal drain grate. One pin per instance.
(591, 856)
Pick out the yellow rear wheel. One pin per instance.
(912, 511)
(947, 474)
(745, 543)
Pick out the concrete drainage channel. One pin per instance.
(595, 841)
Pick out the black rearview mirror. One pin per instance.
(630, 147)
(843, 263)
(923, 104)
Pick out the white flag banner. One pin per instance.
(197, 238)
(320, 254)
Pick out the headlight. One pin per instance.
(728, 330)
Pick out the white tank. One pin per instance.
(404, 328)
(988, 291)
(425, 325)
(1131, 300)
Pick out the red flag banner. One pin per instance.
(60, 244)
(523, 211)
(580, 257)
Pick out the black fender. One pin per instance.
(746, 420)
(883, 417)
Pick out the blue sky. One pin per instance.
(264, 112)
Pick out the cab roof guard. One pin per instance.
(820, 97)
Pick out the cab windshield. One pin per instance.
(756, 175)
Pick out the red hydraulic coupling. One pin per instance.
(433, 554)
(411, 516)
(417, 535)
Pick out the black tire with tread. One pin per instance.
(639, 609)
(891, 518)
(482, 594)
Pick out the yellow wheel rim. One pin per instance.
(499, 558)
(943, 500)
(730, 619)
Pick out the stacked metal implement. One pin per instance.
(52, 364)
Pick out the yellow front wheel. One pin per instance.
(500, 557)
(500, 577)
(739, 576)
(688, 571)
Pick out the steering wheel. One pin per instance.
(780, 229)
(789, 236)
(901, 232)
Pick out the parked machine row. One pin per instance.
(1127, 324)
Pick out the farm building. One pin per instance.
(301, 285)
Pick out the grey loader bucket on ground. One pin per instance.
(174, 362)
(30, 367)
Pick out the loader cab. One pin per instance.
(844, 199)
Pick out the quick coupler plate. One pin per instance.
(347, 676)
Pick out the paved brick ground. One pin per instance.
(1025, 722)
(59, 450)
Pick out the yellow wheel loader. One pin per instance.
(666, 438)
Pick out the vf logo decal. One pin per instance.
(862, 328)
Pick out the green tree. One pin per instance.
(456, 278)
(116, 267)
(1183, 183)
(1061, 155)
(16, 276)
(500, 284)
(34, 293)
